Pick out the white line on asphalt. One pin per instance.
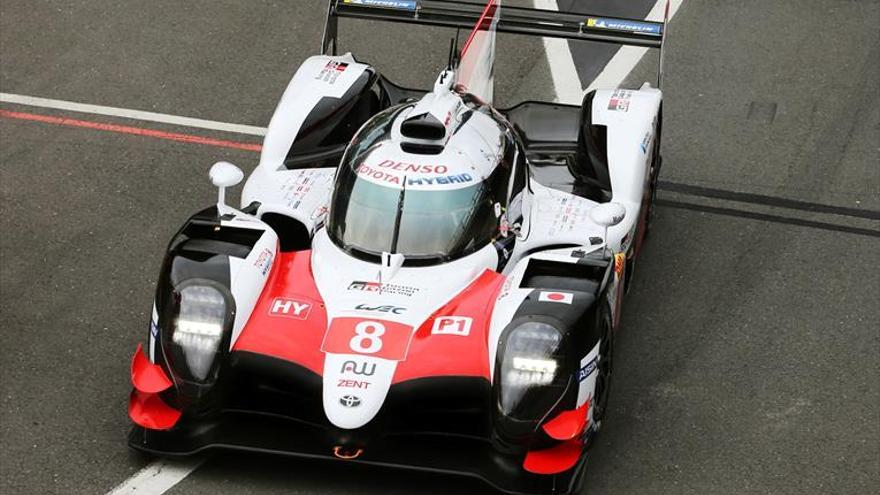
(566, 81)
(562, 67)
(625, 60)
(132, 114)
(157, 478)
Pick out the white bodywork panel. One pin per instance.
(464, 161)
(248, 276)
(318, 77)
(300, 194)
(550, 218)
(630, 150)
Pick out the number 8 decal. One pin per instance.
(370, 331)
(382, 339)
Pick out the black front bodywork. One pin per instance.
(254, 402)
(454, 425)
(438, 424)
(198, 253)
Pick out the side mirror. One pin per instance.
(608, 214)
(223, 175)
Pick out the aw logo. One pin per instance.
(290, 308)
(364, 368)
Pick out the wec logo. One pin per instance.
(382, 309)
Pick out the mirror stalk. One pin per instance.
(223, 175)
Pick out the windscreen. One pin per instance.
(398, 213)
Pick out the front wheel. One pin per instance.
(603, 377)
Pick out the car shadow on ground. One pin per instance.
(250, 473)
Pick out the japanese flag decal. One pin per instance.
(556, 297)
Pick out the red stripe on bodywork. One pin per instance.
(146, 376)
(455, 355)
(295, 340)
(149, 411)
(554, 460)
(137, 131)
(429, 355)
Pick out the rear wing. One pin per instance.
(515, 20)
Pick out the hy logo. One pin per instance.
(350, 401)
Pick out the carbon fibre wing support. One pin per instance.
(515, 20)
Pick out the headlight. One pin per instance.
(535, 371)
(530, 361)
(198, 327)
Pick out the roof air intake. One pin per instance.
(424, 126)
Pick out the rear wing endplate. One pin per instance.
(515, 20)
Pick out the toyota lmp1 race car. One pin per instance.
(414, 279)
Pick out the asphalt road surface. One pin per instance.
(749, 357)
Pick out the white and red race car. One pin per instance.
(414, 279)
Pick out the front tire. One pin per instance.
(603, 377)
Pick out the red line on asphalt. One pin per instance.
(137, 131)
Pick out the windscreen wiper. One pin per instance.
(398, 216)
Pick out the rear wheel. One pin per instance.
(656, 164)
(655, 175)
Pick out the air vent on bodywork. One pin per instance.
(592, 163)
(332, 122)
(207, 236)
(292, 234)
(424, 126)
(584, 276)
(421, 149)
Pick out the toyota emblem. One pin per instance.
(350, 401)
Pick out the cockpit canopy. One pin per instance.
(430, 206)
